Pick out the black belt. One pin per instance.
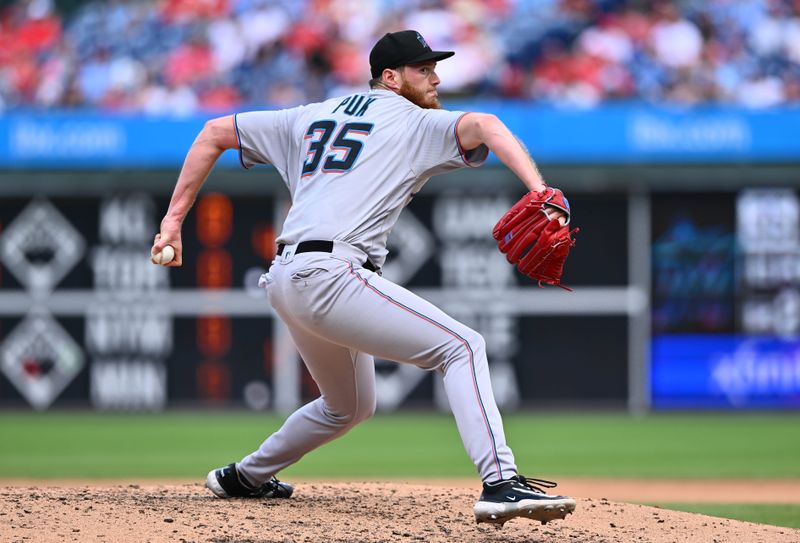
(321, 246)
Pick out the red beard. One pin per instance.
(418, 97)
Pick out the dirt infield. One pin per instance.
(336, 512)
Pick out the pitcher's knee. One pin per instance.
(351, 415)
(477, 343)
(339, 417)
(467, 347)
(365, 410)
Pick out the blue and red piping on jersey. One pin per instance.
(466, 345)
(460, 148)
(239, 141)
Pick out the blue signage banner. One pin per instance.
(74, 140)
(624, 133)
(725, 371)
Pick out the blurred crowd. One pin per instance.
(178, 57)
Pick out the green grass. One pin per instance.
(177, 444)
(787, 515)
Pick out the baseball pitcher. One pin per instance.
(351, 165)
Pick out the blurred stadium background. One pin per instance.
(673, 126)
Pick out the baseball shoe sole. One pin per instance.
(213, 485)
(500, 513)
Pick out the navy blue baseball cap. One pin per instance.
(401, 48)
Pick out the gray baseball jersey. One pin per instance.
(351, 165)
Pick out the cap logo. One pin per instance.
(422, 41)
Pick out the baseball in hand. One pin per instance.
(164, 257)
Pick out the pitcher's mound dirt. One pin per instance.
(346, 512)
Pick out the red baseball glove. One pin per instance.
(535, 241)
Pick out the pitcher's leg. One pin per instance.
(377, 316)
(346, 380)
(485, 423)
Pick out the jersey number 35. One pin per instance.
(342, 154)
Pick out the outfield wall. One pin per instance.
(86, 320)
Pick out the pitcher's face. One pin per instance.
(419, 82)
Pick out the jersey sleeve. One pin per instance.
(434, 146)
(265, 137)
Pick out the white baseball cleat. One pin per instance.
(520, 497)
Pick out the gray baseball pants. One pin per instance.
(337, 312)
